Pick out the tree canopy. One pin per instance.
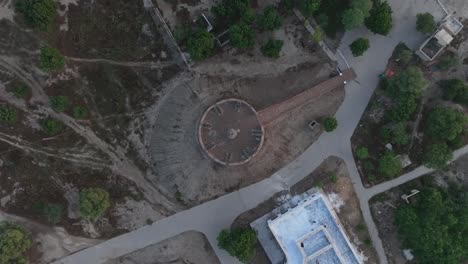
(445, 123)
(7, 115)
(397, 134)
(352, 18)
(390, 165)
(14, 243)
(434, 226)
(425, 23)
(242, 36)
(380, 18)
(455, 90)
(272, 48)
(93, 203)
(239, 242)
(359, 46)
(37, 13)
(270, 19)
(231, 11)
(51, 59)
(309, 7)
(437, 156)
(200, 45)
(330, 124)
(409, 82)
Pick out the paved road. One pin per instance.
(213, 216)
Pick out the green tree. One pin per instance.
(309, 7)
(242, 36)
(359, 46)
(93, 203)
(405, 107)
(455, 90)
(37, 13)
(437, 156)
(270, 19)
(448, 62)
(445, 123)
(272, 48)
(20, 90)
(425, 23)
(399, 134)
(434, 226)
(390, 165)
(7, 115)
(330, 124)
(239, 242)
(59, 103)
(51, 59)
(410, 82)
(231, 11)
(362, 153)
(352, 18)
(380, 18)
(51, 126)
(364, 5)
(200, 45)
(15, 241)
(405, 56)
(288, 4)
(80, 112)
(53, 213)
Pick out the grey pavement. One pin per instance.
(213, 216)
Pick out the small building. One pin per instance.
(434, 45)
(309, 232)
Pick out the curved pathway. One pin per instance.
(213, 216)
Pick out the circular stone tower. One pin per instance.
(230, 132)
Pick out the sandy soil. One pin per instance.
(187, 248)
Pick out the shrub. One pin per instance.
(59, 103)
(333, 177)
(455, 90)
(7, 115)
(390, 165)
(425, 23)
(405, 56)
(330, 124)
(437, 156)
(445, 123)
(53, 213)
(399, 134)
(362, 153)
(51, 59)
(14, 243)
(318, 35)
(368, 165)
(239, 242)
(352, 18)
(359, 46)
(51, 126)
(272, 48)
(242, 36)
(404, 109)
(200, 45)
(270, 19)
(93, 203)
(448, 62)
(80, 112)
(21, 90)
(37, 13)
(380, 18)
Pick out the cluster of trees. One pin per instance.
(239, 242)
(434, 226)
(15, 242)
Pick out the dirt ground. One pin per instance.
(187, 248)
(339, 191)
(383, 211)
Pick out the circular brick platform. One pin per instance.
(230, 132)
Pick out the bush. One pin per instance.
(362, 153)
(93, 203)
(455, 90)
(288, 5)
(59, 103)
(318, 35)
(448, 62)
(359, 46)
(270, 19)
(425, 23)
(333, 177)
(20, 91)
(352, 18)
(51, 126)
(200, 45)
(53, 213)
(405, 56)
(445, 123)
(7, 115)
(390, 165)
(330, 124)
(380, 18)
(242, 36)
(409, 82)
(240, 243)
(51, 59)
(80, 112)
(272, 48)
(37, 13)
(437, 156)
(14, 243)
